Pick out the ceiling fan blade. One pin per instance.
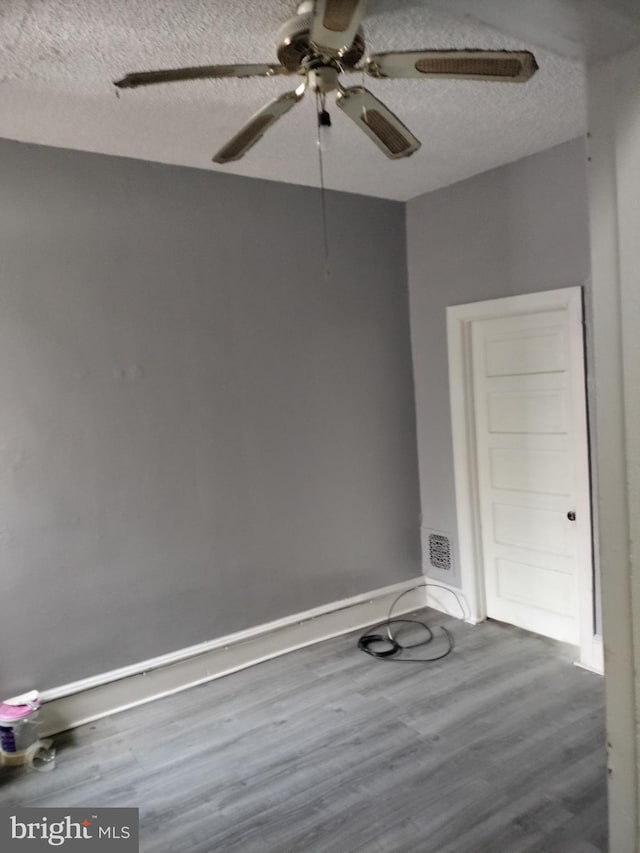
(511, 66)
(377, 121)
(258, 125)
(335, 24)
(198, 72)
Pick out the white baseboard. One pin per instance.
(447, 599)
(593, 660)
(90, 699)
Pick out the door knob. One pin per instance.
(571, 515)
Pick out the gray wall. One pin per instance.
(198, 434)
(518, 229)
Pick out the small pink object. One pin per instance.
(18, 707)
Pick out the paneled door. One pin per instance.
(532, 467)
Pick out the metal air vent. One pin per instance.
(439, 555)
(440, 552)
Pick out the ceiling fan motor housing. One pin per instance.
(295, 49)
(323, 79)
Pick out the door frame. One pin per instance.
(459, 321)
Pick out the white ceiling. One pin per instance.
(58, 58)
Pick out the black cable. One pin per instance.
(370, 638)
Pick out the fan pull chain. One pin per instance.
(321, 111)
(364, 89)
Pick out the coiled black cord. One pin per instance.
(391, 646)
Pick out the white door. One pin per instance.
(530, 425)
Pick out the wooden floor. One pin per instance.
(497, 748)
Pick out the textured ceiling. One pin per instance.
(58, 58)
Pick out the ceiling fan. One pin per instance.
(324, 40)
